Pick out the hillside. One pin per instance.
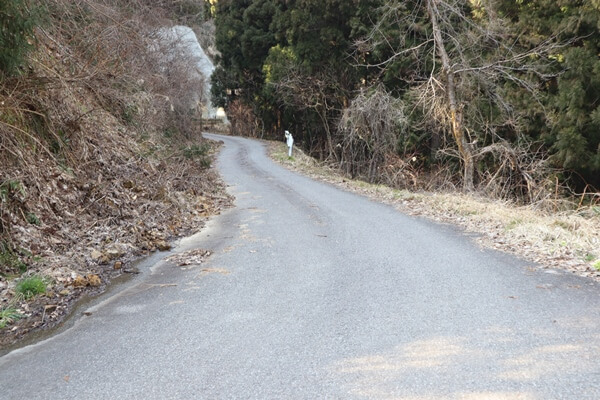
(101, 153)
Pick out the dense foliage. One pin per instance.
(569, 123)
(17, 20)
(524, 75)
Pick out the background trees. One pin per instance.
(569, 123)
(499, 92)
(289, 62)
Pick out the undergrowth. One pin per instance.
(100, 149)
(9, 313)
(198, 152)
(10, 262)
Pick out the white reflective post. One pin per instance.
(290, 142)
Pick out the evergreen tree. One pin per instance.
(570, 120)
(18, 18)
(243, 37)
(311, 73)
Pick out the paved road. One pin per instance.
(314, 293)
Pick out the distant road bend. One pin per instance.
(315, 293)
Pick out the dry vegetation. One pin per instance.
(102, 157)
(567, 239)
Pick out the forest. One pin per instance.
(501, 97)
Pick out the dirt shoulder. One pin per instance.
(567, 241)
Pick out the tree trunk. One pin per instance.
(458, 132)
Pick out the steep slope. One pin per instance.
(102, 157)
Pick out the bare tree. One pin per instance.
(462, 52)
(173, 60)
(370, 127)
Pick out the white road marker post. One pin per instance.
(290, 142)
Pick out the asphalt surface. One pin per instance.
(315, 293)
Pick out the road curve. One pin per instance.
(315, 293)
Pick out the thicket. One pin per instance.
(87, 88)
(500, 96)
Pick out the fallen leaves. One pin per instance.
(96, 220)
(192, 257)
(88, 280)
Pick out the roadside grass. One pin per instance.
(8, 315)
(299, 160)
(566, 240)
(31, 286)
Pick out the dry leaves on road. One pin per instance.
(192, 257)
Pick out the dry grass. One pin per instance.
(568, 240)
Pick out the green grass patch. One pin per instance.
(8, 315)
(32, 218)
(597, 266)
(199, 153)
(196, 151)
(170, 132)
(129, 114)
(10, 188)
(469, 213)
(32, 286)
(564, 225)
(402, 195)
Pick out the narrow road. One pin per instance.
(315, 293)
